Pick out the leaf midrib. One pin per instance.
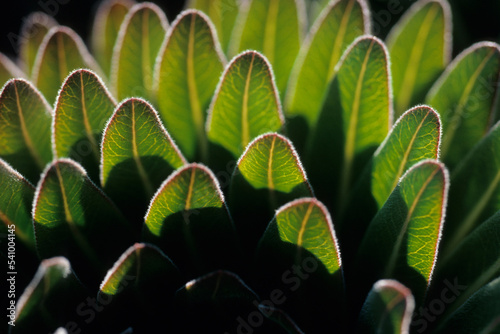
(245, 135)
(135, 153)
(270, 182)
(411, 70)
(145, 47)
(25, 132)
(388, 308)
(86, 123)
(341, 32)
(270, 30)
(61, 54)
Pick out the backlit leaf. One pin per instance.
(83, 107)
(222, 13)
(387, 309)
(420, 49)
(134, 56)
(33, 31)
(189, 220)
(61, 52)
(245, 105)
(273, 28)
(337, 27)
(73, 218)
(25, 119)
(465, 97)
(136, 150)
(107, 22)
(189, 66)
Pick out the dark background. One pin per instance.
(473, 21)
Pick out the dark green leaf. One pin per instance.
(25, 119)
(72, 217)
(189, 220)
(414, 137)
(337, 27)
(107, 22)
(189, 66)
(410, 225)
(44, 303)
(273, 28)
(8, 70)
(136, 150)
(222, 13)
(16, 199)
(420, 49)
(82, 109)
(33, 31)
(480, 313)
(475, 190)
(387, 309)
(465, 97)
(61, 52)
(245, 105)
(134, 55)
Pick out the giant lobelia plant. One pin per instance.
(239, 170)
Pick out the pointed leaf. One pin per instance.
(306, 224)
(72, 217)
(245, 105)
(33, 31)
(410, 223)
(465, 97)
(479, 314)
(222, 13)
(16, 199)
(420, 49)
(337, 27)
(8, 70)
(44, 303)
(61, 52)
(273, 28)
(136, 151)
(83, 107)
(189, 220)
(414, 137)
(189, 66)
(387, 309)
(139, 41)
(475, 190)
(140, 287)
(107, 22)
(25, 119)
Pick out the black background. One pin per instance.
(474, 21)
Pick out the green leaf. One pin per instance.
(337, 27)
(480, 251)
(306, 224)
(465, 97)
(420, 49)
(25, 119)
(387, 309)
(414, 137)
(73, 218)
(479, 314)
(222, 13)
(43, 304)
(410, 223)
(273, 28)
(136, 150)
(34, 29)
(140, 287)
(16, 199)
(61, 52)
(268, 175)
(189, 66)
(8, 70)
(245, 105)
(82, 109)
(134, 55)
(475, 190)
(356, 118)
(189, 220)
(107, 22)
